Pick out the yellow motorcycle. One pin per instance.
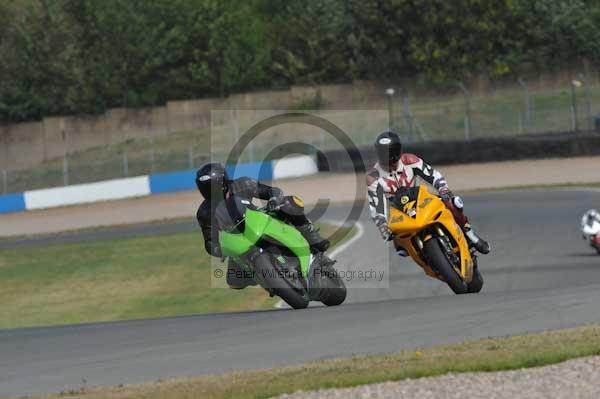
(423, 226)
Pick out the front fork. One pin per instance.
(436, 232)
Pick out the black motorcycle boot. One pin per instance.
(327, 262)
(316, 242)
(323, 265)
(238, 278)
(475, 241)
(401, 251)
(323, 271)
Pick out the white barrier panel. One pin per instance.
(86, 193)
(302, 165)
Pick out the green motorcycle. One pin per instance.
(279, 258)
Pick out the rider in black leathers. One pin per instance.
(218, 191)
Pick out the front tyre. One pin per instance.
(291, 289)
(476, 282)
(440, 263)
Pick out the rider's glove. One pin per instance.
(385, 232)
(277, 197)
(446, 194)
(276, 201)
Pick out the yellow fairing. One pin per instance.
(430, 211)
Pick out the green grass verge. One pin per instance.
(107, 280)
(485, 355)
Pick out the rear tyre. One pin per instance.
(442, 265)
(335, 293)
(291, 289)
(595, 242)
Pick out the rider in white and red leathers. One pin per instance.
(395, 169)
(590, 224)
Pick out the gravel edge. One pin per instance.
(572, 379)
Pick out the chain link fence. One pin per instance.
(509, 111)
(514, 109)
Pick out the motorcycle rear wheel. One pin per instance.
(440, 263)
(335, 293)
(294, 293)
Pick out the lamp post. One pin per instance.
(574, 84)
(523, 84)
(407, 115)
(467, 94)
(390, 94)
(583, 78)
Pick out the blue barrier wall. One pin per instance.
(186, 180)
(173, 181)
(159, 183)
(12, 203)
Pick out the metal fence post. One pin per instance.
(574, 84)
(407, 115)
(125, 165)
(586, 93)
(527, 102)
(152, 155)
(390, 96)
(322, 139)
(4, 181)
(467, 110)
(251, 151)
(520, 121)
(236, 131)
(65, 170)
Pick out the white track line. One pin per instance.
(360, 231)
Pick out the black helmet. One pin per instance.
(212, 181)
(388, 148)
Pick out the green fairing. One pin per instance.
(258, 225)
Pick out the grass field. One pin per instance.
(121, 279)
(496, 354)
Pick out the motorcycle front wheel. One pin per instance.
(290, 289)
(440, 263)
(476, 282)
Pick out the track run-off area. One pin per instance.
(540, 275)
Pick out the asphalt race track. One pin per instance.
(541, 275)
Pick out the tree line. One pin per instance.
(84, 56)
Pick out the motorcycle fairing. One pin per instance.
(426, 210)
(259, 225)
